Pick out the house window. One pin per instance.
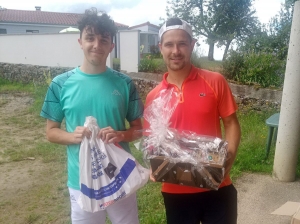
(3, 31)
(32, 31)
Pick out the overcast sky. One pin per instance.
(128, 12)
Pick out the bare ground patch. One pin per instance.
(32, 178)
(17, 124)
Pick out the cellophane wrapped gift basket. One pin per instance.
(180, 157)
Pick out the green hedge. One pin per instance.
(262, 69)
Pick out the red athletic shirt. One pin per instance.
(205, 97)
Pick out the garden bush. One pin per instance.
(116, 64)
(263, 69)
(147, 64)
(232, 65)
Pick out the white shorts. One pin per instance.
(123, 212)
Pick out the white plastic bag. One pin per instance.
(107, 172)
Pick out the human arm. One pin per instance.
(232, 136)
(109, 135)
(57, 135)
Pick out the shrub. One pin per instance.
(262, 69)
(161, 66)
(147, 64)
(232, 65)
(116, 64)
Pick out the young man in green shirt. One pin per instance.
(93, 89)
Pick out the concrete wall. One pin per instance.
(129, 50)
(42, 49)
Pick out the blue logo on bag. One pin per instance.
(114, 186)
(97, 156)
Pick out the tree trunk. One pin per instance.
(210, 56)
(226, 50)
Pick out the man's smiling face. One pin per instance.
(176, 48)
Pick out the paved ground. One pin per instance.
(260, 195)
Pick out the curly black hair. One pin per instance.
(100, 24)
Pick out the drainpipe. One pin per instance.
(288, 140)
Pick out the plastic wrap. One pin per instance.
(183, 157)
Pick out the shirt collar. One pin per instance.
(191, 76)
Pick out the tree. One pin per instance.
(261, 57)
(219, 21)
(272, 37)
(240, 23)
(280, 29)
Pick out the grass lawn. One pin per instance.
(46, 199)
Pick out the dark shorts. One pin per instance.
(211, 207)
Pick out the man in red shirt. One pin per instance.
(204, 99)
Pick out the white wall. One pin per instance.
(42, 49)
(129, 50)
(20, 28)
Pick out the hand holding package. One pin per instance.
(107, 172)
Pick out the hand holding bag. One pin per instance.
(107, 172)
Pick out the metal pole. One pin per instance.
(288, 140)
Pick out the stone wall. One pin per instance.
(251, 96)
(29, 73)
(255, 97)
(246, 96)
